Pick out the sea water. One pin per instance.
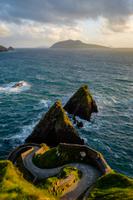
(48, 75)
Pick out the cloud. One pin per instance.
(49, 33)
(35, 34)
(4, 30)
(67, 12)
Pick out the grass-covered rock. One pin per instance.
(81, 104)
(54, 128)
(49, 159)
(14, 187)
(64, 181)
(112, 186)
(61, 155)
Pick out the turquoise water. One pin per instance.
(48, 75)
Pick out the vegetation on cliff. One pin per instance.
(60, 184)
(55, 127)
(13, 186)
(61, 155)
(81, 103)
(112, 186)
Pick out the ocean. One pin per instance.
(48, 75)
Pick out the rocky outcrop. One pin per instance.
(81, 104)
(2, 48)
(10, 48)
(54, 128)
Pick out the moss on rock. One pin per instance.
(81, 103)
(13, 186)
(112, 186)
(54, 128)
(62, 182)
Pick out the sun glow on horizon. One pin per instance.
(107, 25)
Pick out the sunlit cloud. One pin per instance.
(43, 22)
(4, 30)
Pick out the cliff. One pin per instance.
(113, 186)
(13, 186)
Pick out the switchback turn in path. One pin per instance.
(89, 174)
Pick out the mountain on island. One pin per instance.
(69, 44)
(2, 48)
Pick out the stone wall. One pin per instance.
(87, 155)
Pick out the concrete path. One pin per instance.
(89, 174)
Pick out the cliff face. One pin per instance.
(81, 104)
(54, 128)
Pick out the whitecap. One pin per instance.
(45, 103)
(23, 134)
(85, 140)
(11, 88)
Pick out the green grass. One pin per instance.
(113, 186)
(57, 156)
(14, 187)
(47, 160)
(62, 182)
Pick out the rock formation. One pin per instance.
(54, 128)
(2, 48)
(10, 48)
(81, 104)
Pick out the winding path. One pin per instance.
(89, 174)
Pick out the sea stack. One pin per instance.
(81, 104)
(10, 48)
(54, 128)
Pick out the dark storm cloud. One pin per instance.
(65, 11)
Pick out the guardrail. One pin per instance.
(91, 156)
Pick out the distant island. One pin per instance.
(76, 44)
(2, 48)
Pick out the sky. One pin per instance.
(40, 23)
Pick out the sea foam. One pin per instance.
(11, 88)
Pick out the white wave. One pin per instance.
(26, 131)
(45, 103)
(14, 88)
(23, 134)
(85, 140)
